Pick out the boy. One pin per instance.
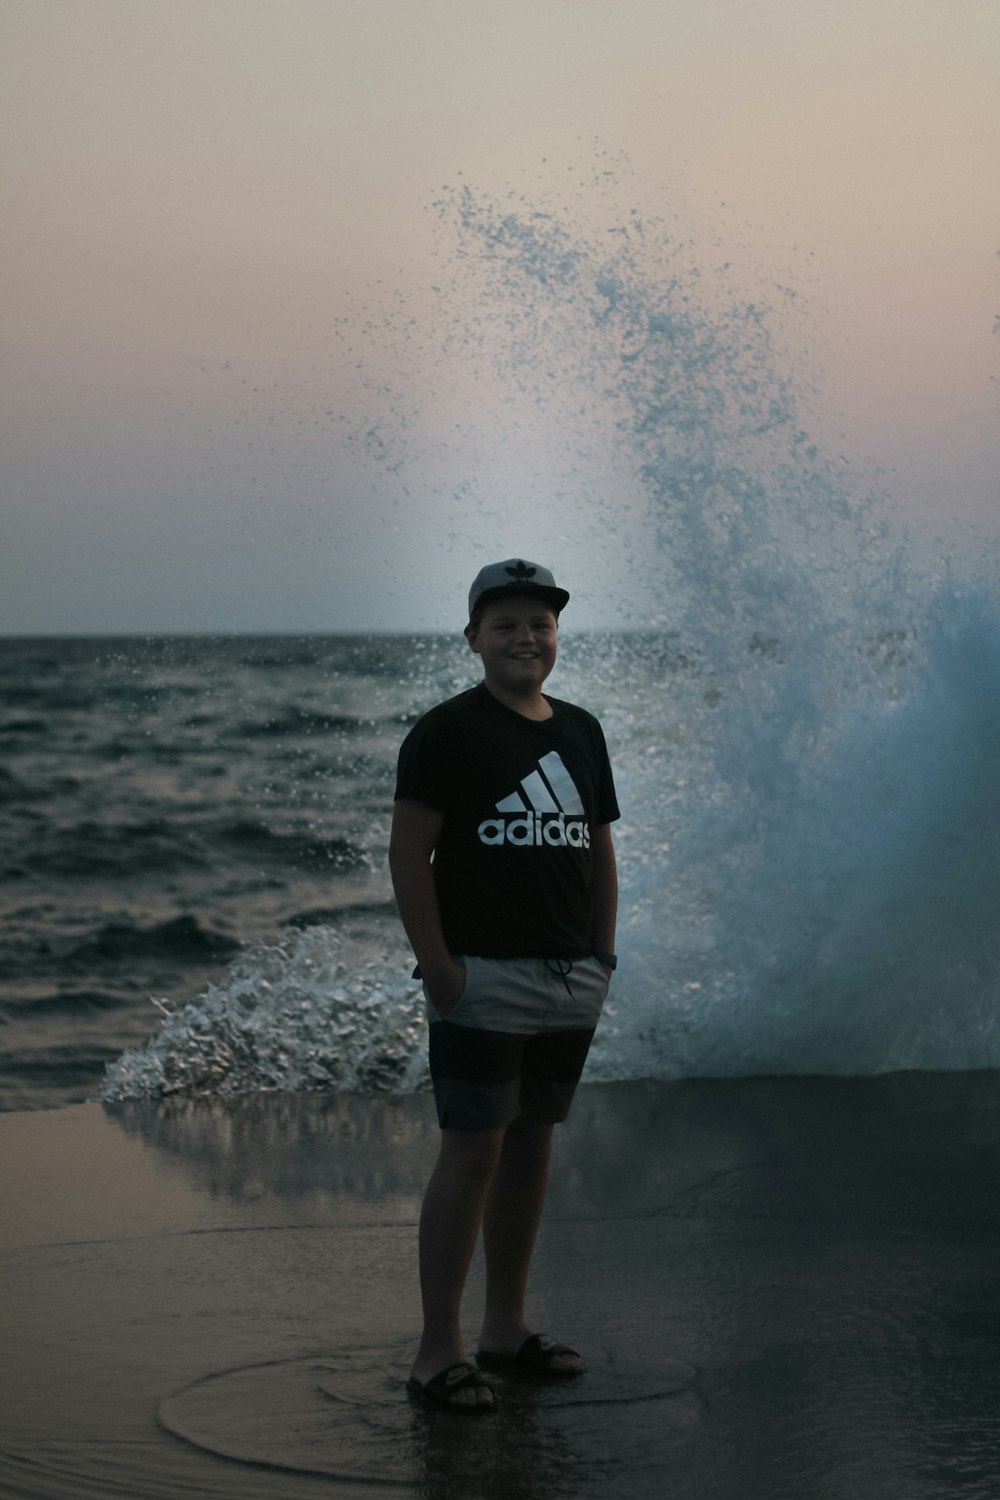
(504, 873)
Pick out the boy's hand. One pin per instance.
(445, 986)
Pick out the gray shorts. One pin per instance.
(516, 1040)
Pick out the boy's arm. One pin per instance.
(415, 832)
(605, 889)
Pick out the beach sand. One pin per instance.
(782, 1287)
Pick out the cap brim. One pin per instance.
(557, 599)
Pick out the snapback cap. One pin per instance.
(515, 577)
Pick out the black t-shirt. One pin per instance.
(521, 798)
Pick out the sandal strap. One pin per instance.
(458, 1377)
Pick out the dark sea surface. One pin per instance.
(194, 837)
(166, 802)
(172, 808)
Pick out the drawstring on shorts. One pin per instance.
(563, 967)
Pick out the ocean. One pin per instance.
(198, 827)
(195, 895)
(170, 805)
(805, 738)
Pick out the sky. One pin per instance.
(220, 220)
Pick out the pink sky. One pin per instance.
(196, 190)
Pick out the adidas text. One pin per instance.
(530, 829)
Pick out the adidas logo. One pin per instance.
(547, 810)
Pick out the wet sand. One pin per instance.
(783, 1288)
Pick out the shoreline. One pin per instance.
(115, 1108)
(781, 1286)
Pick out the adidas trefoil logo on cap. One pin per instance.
(513, 576)
(546, 811)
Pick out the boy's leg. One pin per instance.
(495, 1176)
(449, 1227)
(552, 1064)
(510, 1226)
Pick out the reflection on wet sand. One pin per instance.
(781, 1287)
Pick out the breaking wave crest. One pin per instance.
(805, 742)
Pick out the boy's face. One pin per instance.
(516, 640)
